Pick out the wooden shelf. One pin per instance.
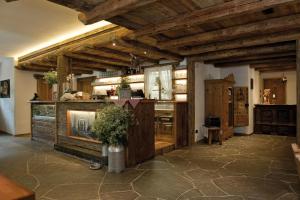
(179, 79)
(100, 84)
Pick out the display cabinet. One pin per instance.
(219, 103)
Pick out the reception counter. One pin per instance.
(67, 125)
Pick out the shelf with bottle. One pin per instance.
(137, 78)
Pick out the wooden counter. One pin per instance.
(275, 119)
(10, 190)
(57, 129)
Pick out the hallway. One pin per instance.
(254, 167)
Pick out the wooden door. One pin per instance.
(278, 90)
(44, 91)
(241, 107)
(85, 84)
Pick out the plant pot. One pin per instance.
(116, 158)
(124, 93)
(104, 150)
(104, 154)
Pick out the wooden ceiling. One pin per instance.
(224, 32)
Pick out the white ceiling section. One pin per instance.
(28, 25)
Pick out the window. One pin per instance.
(158, 83)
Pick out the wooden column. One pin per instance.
(63, 69)
(298, 91)
(191, 100)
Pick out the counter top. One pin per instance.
(275, 104)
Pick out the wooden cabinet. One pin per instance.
(219, 103)
(275, 119)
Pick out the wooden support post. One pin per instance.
(191, 100)
(63, 69)
(298, 91)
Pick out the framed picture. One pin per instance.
(5, 89)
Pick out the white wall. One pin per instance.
(202, 72)
(7, 105)
(15, 111)
(291, 93)
(25, 87)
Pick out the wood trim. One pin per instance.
(191, 100)
(210, 14)
(298, 90)
(111, 8)
(247, 30)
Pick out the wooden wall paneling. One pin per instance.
(181, 124)
(241, 107)
(85, 84)
(44, 90)
(278, 88)
(191, 99)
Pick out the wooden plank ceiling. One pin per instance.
(261, 33)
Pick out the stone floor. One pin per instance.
(254, 167)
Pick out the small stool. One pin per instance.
(214, 130)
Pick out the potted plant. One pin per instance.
(124, 90)
(51, 78)
(112, 123)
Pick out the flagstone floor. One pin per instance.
(250, 168)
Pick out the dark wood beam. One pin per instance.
(250, 51)
(211, 14)
(107, 53)
(94, 65)
(298, 89)
(262, 61)
(98, 59)
(138, 48)
(277, 69)
(247, 30)
(244, 42)
(63, 70)
(111, 8)
(290, 54)
(270, 65)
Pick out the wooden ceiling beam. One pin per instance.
(272, 65)
(94, 65)
(247, 30)
(107, 53)
(100, 36)
(244, 42)
(211, 14)
(138, 48)
(98, 59)
(250, 51)
(278, 69)
(262, 61)
(255, 57)
(111, 8)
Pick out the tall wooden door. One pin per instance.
(278, 90)
(85, 84)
